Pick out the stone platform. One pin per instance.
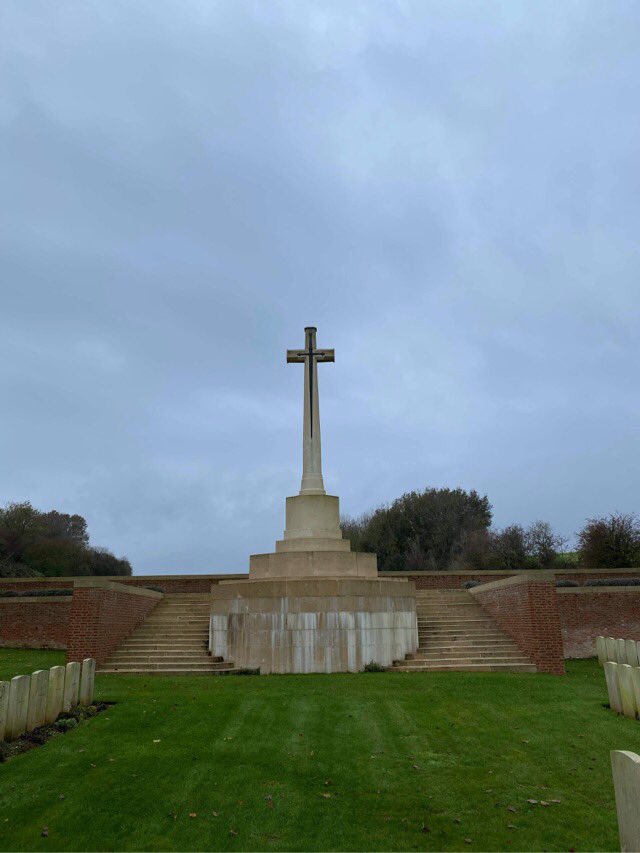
(322, 624)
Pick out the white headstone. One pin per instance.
(4, 707)
(71, 685)
(621, 651)
(601, 649)
(611, 675)
(87, 679)
(18, 706)
(635, 681)
(55, 693)
(626, 783)
(612, 649)
(37, 699)
(627, 697)
(631, 652)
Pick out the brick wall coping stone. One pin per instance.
(511, 573)
(105, 583)
(515, 580)
(122, 579)
(35, 599)
(594, 590)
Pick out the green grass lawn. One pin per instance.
(343, 762)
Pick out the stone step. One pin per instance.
(431, 628)
(191, 654)
(178, 645)
(231, 670)
(419, 660)
(181, 619)
(164, 662)
(466, 648)
(153, 664)
(182, 608)
(458, 667)
(462, 620)
(485, 633)
(176, 628)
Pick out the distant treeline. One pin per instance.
(50, 544)
(440, 529)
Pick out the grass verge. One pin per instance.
(441, 761)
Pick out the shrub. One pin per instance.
(374, 667)
(471, 584)
(613, 582)
(564, 582)
(612, 542)
(15, 593)
(156, 588)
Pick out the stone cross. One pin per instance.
(312, 483)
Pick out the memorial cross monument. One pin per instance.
(313, 605)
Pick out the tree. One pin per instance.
(34, 543)
(420, 531)
(508, 549)
(58, 558)
(103, 562)
(612, 542)
(511, 549)
(20, 526)
(542, 544)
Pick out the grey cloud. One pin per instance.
(449, 193)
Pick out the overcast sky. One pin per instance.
(449, 191)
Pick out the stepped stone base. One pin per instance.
(321, 624)
(317, 563)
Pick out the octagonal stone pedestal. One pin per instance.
(318, 624)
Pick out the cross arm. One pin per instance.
(294, 356)
(325, 355)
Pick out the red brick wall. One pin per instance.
(592, 611)
(101, 617)
(34, 623)
(526, 608)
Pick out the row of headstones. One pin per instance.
(619, 651)
(30, 701)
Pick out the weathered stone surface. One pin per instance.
(314, 624)
(621, 651)
(87, 679)
(601, 649)
(627, 697)
(612, 649)
(18, 706)
(631, 652)
(37, 699)
(613, 688)
(626, 782)
(55, 693)
(71, 685)
(4, 707)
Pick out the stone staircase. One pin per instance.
(456, 634)
(172, 640)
